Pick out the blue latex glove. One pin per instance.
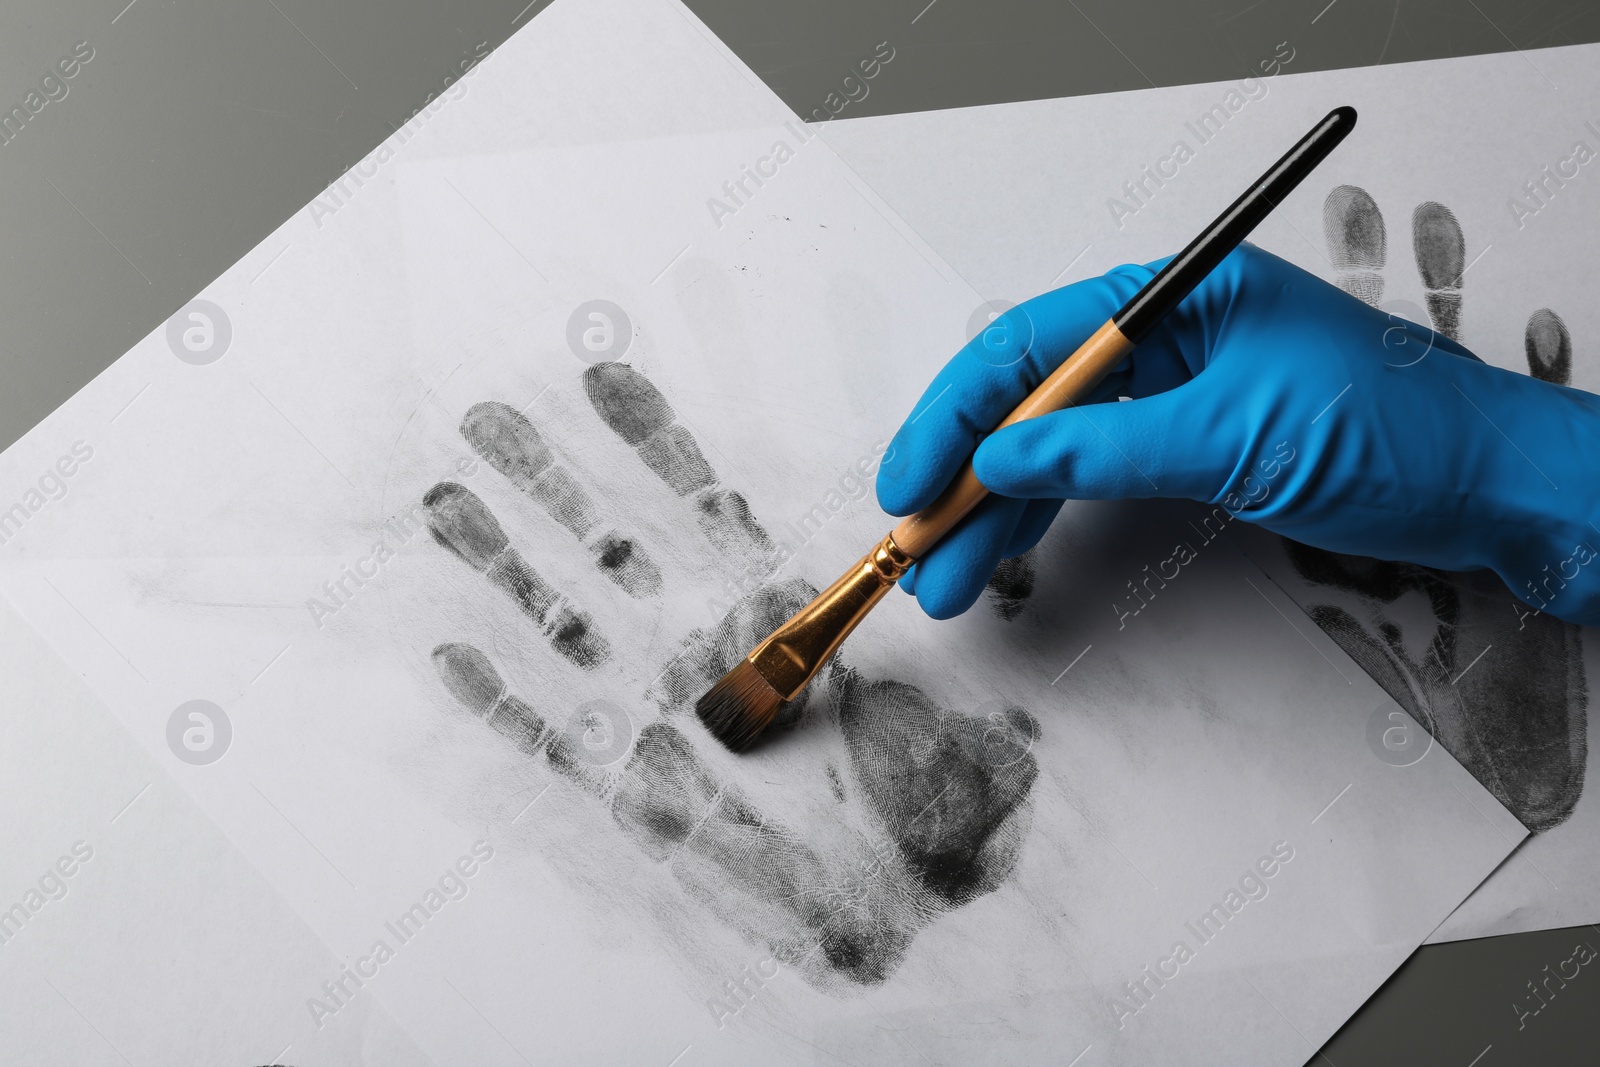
(1283, 399)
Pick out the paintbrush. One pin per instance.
(744, 702)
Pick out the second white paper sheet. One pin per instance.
(1492, 151)
(449, 499)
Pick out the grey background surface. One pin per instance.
(200, 125)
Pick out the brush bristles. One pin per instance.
(739, 707)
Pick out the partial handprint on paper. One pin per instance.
(1502, 689)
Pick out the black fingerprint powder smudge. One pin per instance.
(472, 679)
(935, 782)
(725, 519)
(1548, 346)
(575, 637)
(677, 460)
(1012, 585)
(1441, 253)
(1358, 244)
(462, 523)
(625, 562)
(1506, 696)
(744, 864)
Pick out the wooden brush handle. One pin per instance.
(1069, 383)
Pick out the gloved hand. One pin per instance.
(1282, 399)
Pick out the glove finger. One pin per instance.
(990, 376)
(1166, 445)
(950, 578)
(1036, 519)
(908, 581)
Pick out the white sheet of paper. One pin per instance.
(1024, 197)
(975, 838)
(133, 930)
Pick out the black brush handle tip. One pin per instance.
(1186, 270)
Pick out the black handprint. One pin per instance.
(944, 798)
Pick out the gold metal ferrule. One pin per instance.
(798, 649)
